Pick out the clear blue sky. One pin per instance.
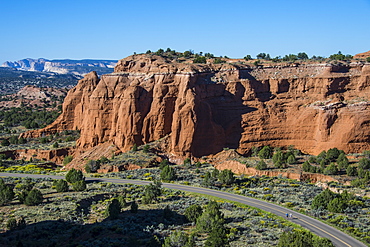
(114, 29)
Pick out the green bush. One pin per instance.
(261, 165)
(200, 59)
(226, 177)
(74, 175)
(193, 212)
(168, 174)
(113, 209)
(265, 152)
(368, 59)
(34, 197)
(79, 185)
(61, 185)
(67, 159)
(6, 193)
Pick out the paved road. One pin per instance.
(337, 237)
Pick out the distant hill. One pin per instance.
(48, 73)
(63, 66)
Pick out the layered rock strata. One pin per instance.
(203, 108)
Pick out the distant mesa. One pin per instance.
(64, 66)
(362, 55)
(201, 109)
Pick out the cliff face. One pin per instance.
(205, 108)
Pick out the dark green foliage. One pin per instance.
(210, 218)
(6, 193)
(92, 165)
(342, 161)
(134, 207)
(215, 173)
(55, 145)
(178, 239)
(168, 174)
(79, 185)
(331, 169)
(351, 171)
(146, 148)
(5, 143)
(34, 197)
(67, 159)
(302, 55)
(368, 59)
(255, 151)
(134, 148)
(74, 175)
(207, 180)
(61, 185)
(187, 161)
(113, 209)
(218, 61)
(167, 213)
(291, 159)
(306, 167)
(337, 205)
(122, 201)
(299, 238)
(322, 155)
(263, 55)
(226, 177)
(152, 192)
(278, 157)
(265, 152)
(193, 212)
(340, 56)
(247, 57)
(333, 154)
(261, 165)
(200, 59)
(364, 164)
(163, 164)
(11, 224)
(322, 199)
(217, 237)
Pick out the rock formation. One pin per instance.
(203, 108)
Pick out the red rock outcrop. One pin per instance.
(204, 108)
(362, 55)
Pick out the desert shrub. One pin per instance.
(113, 209)
(177, 239)
(291, 159)
(187, 161)
(146, 148)
(34, 197)
(351, 171)
(333, 154)
(265, 152)
(331, 169)
(193, 212)
(163, 164)
(200, 59)
(79, 185)
(342, 161)
(278, 157)
(5, 143)
(368, 59)
(364, 164)
(168, 173)
(208, 179)
(122, 201)
(134, 148)
(74, 175)
(92, 166)
(67, 159)
(321, 200)
(215, 173)
(302, 238)
(261, 165)
(337, 205)
(152, 192)
(6, 193)
(210, 218)
(217, 237)
(61, 185)
(226, 177)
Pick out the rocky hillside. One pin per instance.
(203, 108)
(66, 66)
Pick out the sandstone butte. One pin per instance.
(203, 108)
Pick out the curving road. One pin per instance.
(321, 229)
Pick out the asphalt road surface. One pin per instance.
(315, 226)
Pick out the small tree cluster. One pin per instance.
(76, 178)
(152, 192)
(333, 202)
(168, 174)
(27, 194)
(6, 193)
(302, 238)
(60, 185)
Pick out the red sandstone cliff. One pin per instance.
(204, 108)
